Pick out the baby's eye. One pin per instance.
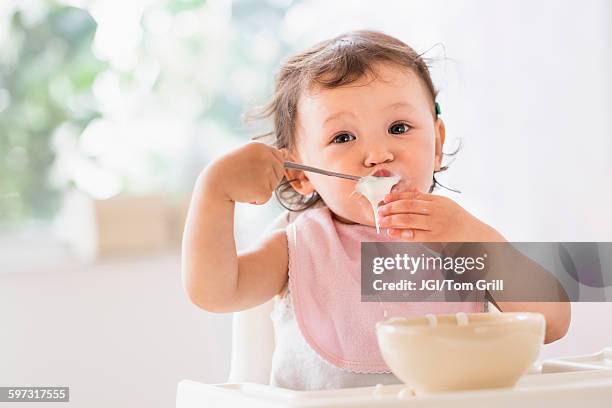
(399, 128)
(343, 138)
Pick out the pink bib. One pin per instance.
(324, 282)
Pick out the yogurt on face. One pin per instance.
(374, 190)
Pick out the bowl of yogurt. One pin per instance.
(463, 351)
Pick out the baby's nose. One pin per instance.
(378, 155)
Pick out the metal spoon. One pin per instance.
(292, 165)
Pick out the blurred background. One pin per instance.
(109, 110)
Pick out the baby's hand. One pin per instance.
(249, 174)
(420, 217)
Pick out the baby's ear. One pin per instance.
(297, 178)
(440, 135)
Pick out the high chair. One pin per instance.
(564, 383)
(252, 345)
(253, 333)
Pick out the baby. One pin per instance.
(362, 104)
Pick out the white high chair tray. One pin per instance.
(596, 361)
(566, 382)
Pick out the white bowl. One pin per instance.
(491, 350)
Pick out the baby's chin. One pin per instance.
(363, 213)
(357, 212)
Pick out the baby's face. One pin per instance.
(385, 122)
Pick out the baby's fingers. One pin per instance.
(411, 206)
(412, 194)
(402, 221)
(410, 235)
(278, 166)
(280, 154)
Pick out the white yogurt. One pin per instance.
(462, 319)
(406, 392)
(378, 391)
(374, 190)
(433, 319)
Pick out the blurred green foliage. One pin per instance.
(45, 81)
(125, 98)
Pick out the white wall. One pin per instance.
(526, 85)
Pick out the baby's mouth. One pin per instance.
(382, 173)
(400, 186)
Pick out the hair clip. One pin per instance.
(438, 110)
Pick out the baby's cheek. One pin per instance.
(347, 203)
(422, 178)
(343, 196)
(334, 189)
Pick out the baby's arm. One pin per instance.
(217, 278)
(557, 314)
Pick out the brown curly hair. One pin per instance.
(329, 64)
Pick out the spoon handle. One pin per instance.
(292, 165)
